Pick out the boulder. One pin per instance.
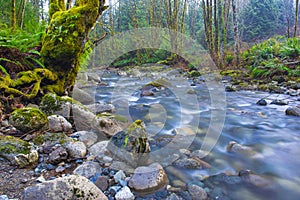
(69, 187)
(82, 96)
(191, 163)
(107, 125)
(293, 111)
(147, 179)
(58, 155)
(240, 149)
(58, 123)
(99, 108)
(262, 102)
(99, 150)
(196, 192)
(76, 149)
(17, 151)
(28, 119)
(88, 169)
(132, 145)
(52, 104)
(87, 137)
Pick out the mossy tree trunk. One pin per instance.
(66, 39)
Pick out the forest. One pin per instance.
(95, 93)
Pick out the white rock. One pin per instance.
(88, 169)
(124, 194)
(68, 187)
(76, 149)
(119, 176)
(58, 123)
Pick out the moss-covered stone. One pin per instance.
(131, 145)
(17, 151)
(51, 139)
(28, 119)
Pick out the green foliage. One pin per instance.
(262, 19)
(269, 58)
(20, 39)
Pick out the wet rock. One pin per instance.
(58, 123)
(125, 194)
(93, 77)
(254, 179)
(28, 119)
(99, 150)
(118, 165)
(147, 93)
(229, 88)
(238, 148)
(88, 169)
(107, 125)
(102, 183)
(17, 151)
(131, 145)
(191, 163)
(293, 111)
(89, 138)
(69, 187)
(82, 96)
(197, 193)
(280, 102)
(58, 155)
(148, 179)
(99, 108)
(60, 169)
(76, 149)
(262, 102)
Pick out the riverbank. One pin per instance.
(186, 174)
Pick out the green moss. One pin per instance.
(159, 83)
(113, 116)
(28, 119)
(51, 138)
(13, 145)
(194, 73)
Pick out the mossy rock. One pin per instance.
(59, 105)
(131, 145)
(159, 83)
(51, 139)
(17, 151)
(28, 119)
(194, 74)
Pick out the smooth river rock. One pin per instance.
(88, 169)
(293, 111)
(70, 187)
(58, 123)
(147, 179)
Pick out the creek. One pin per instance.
(273, 136)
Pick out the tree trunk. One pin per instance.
(13, 17)
(296, 18)
(236, 32)
(66, 39)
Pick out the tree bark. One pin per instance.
(13, 17)
(66, 39)
(236, 32)
(296, 18)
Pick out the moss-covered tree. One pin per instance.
(67, 38)
(63, 46)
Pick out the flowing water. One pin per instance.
(273, 136)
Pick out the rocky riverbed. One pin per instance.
(140, 141)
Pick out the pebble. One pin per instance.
(60, 169)
(76, 149)
(102, 183)
(88, 169)
(197, 193)
(119, 176)
(125, 194)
